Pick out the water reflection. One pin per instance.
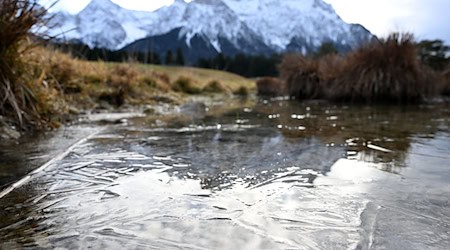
(380, 135)
(265, 175)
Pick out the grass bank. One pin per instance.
(22, 93)
(65, 85)
(202, 78)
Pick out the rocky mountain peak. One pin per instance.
(247, 26)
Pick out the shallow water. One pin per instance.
(254, 175)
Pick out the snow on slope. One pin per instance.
(166, 18)
(214, 20)
(276, 23)
(102, 24)
(280, 21)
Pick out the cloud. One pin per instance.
(426, 19)
(76, 6)
(431, 19)
(66, 5)
(142, 5)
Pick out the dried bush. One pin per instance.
(384, 71)
(122, 78)
(330, 67)
(215, 87)
(122, 75)
(185, 85)
(302, 76)
(241, 91)
(64, 70)
(163, 77)
(270, 86)
(115, 97)
(149, 81)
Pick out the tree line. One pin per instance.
(83, 51)
(244, 65)
(433, 53)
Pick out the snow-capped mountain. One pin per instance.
(207, 27)
(102, 24)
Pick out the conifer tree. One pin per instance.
(169, 57)
(179, 59)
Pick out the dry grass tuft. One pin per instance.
(122, 76)
(270, 86)
(242, 91)
(161, 76)
(215, 86)
(185, 85)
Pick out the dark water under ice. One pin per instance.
(253, 175)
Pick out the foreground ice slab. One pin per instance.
(244, 179)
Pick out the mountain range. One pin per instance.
(204, 28)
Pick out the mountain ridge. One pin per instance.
(226, 26)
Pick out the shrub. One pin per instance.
(330, 67)
(270, 86)
(122, 78)
(163, 77)
(63, 69)
(149, 81)
(446, 82)
(384, 71)
(242, 91)
(114, 97)
(387, 70)
(94, 79)
(215, 87)
(301, 76)
(122, 75)
(186, 85)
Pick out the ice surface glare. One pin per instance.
(180, 212)
(350, 172)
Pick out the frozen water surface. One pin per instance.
(262, 175)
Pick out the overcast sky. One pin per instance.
(427, 19)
